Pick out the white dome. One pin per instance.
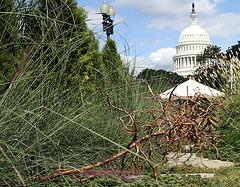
(192, 42)
(194, 33)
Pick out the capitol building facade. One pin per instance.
(192, 42)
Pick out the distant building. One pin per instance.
(192, 41)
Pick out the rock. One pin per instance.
(192, 159)
(203, 175)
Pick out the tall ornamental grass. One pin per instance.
(225, 76)
(52, 115)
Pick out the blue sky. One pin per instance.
(146, 32)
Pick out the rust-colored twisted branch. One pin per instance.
(172, 125)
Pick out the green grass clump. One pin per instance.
(228, 176)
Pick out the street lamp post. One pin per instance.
(108, 14)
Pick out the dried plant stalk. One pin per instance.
(172, 125)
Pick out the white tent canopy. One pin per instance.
(191, 88)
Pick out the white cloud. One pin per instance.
(161, 59)
(94, 18)
(223, 25)
(138, 63)
(219, 25)
(175, 22)
(173, 13)
(157, 8)
(218, 1)
(153, 7)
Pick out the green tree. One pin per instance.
(9, 48)
(68, 48)
(233, 51)
(212, 67)
(210, 54)
(115, 71)
(160, 78)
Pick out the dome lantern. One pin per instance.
(193, 16)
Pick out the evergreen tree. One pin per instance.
(68, 48)
(160, 80)
(233, 51)
(166, 78)
(115, 71)
(211, 74)
(211, 53)
(9, 48)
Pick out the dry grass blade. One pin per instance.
(15, 169)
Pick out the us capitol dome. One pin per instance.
(192, 41)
